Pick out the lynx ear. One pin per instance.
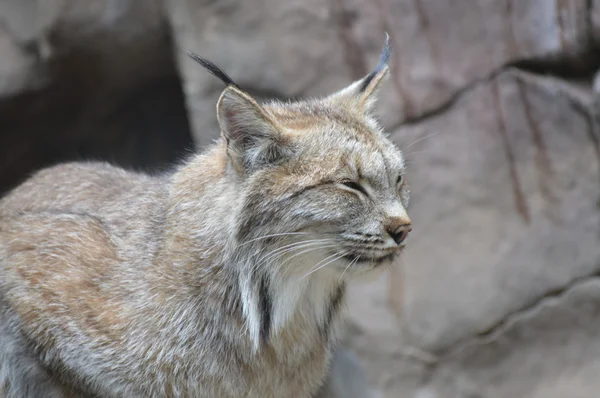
(363, 92)
(253, 139)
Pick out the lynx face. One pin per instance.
(343, 182)
(318, 175)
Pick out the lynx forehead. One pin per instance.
(225, 278)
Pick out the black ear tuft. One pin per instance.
(384, 58)
(212, 68)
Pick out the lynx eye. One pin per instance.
(354, 186)
(400, 181)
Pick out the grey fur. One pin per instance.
(224, 278)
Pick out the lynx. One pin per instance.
(223, 278)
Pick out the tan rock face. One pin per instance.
(311, 47)
(509, 229)
(492, 100)
(508, 210)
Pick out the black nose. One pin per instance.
(400, 233)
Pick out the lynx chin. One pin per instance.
(224, 278)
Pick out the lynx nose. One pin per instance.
(400, 232)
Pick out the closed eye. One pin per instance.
(354, 186)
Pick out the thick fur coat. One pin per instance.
(224, 278)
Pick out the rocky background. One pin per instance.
(493, 101)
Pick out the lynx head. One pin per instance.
(318, 173)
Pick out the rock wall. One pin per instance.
(493, 101)
(93, 79)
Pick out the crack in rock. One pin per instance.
(565, 67)
(452, 100)
(550, 298)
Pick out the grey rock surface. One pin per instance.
(550, 350)
(506, 208)
(500, 282)
(305, 48)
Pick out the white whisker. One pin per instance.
(327, 263)
(272, 236)
(294, 245)
(306, 251)
(421, 139)
(349, 265)
(311, 244)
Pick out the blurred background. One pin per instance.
(493, 102)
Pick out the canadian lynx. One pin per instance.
(224, 278)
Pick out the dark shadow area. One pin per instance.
(138, 122)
